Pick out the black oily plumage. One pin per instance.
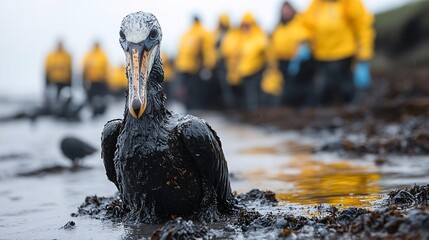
(76, 149)
(165, 164)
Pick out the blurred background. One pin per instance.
(320, 101)
(30, 30)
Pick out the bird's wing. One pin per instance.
(109, 138)
(204, 145)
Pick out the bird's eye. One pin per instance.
(121, 34)
(153, 34)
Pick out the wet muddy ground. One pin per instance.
(403, 214)
(391, 118)
(320, 191)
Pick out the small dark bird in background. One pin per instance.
(76, 149)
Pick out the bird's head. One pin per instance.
(140, 38)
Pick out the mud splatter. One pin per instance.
(69, 226)
(180, 229)
(256, 195)
(104, 208)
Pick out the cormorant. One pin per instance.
(76, 149)
(163, 164)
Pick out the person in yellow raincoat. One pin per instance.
(341, 32)
(194, 62)
(117, 80)
(58, 69)
(95, 67)
(230, 53)
(252, 60)
(219, 84)
(289, 41)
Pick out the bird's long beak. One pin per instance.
(141, 64)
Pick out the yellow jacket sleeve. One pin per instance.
(209, 51)
(362, 23)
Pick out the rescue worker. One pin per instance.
(289, 42)
(58, 70)
(253, 57)
(341, 34)
(219, 86)
(95, 76)
(117, 80)
(230, 51)
(194, 62)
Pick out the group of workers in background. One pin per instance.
(99, 79)
(317, 57)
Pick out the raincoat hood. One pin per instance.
(224, 20)
(248, 19)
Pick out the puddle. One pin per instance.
(339, 183)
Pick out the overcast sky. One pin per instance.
(30, 28)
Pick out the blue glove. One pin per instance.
(303, 54)
(362, 76)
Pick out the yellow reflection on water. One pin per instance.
(261, 151)
(336, 183)
(340, 183)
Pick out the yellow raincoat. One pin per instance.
(58, 67)
(230, 51)
(168, 69)
(287, 38)
(253, 48)
(117, 78)
(219, 35)
(340, 29)
(195, 50)
(95, 66)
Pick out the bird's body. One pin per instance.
(76, 149)
(164, 164)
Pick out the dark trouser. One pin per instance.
(252, 90)
(298, 90)
(335, 81)
(53, 97)
(212, 88)
(195, 91)
(269, 100)
(95, 97)
(60, 87)
(96, 89)
(225, 89)
(238, 96)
